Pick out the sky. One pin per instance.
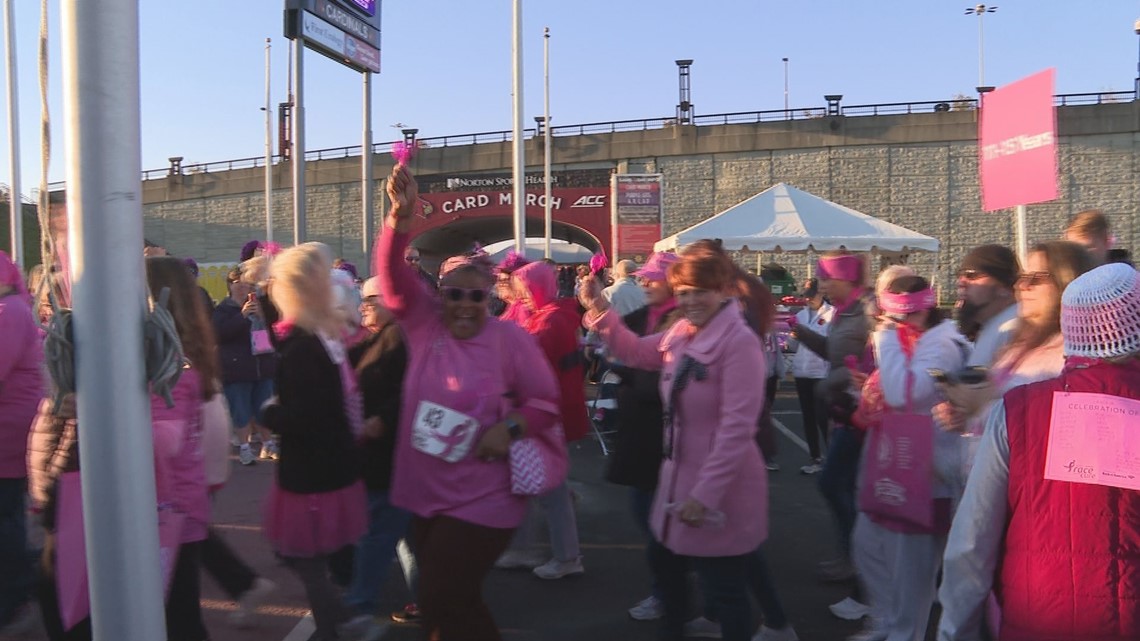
(447, 64)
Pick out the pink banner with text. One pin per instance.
(1017, 143)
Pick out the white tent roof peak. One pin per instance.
(788, 219)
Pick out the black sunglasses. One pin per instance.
(457, 294)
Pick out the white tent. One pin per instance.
(783, 218)
(561, 251)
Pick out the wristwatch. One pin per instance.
(513, 428)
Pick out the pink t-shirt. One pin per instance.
(21, 382)
(483, 378)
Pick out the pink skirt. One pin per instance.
(308, 525)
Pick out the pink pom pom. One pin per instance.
(403, 152)
(598, 262)
(271, 248)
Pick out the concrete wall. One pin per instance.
(917, 170)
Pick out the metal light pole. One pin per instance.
(981, 10)
(547, 151)
(366, 174)
(519, 158)
(1136, 28)
(786, 110)
(15, 203)
(100, 52)
(268, 150)
(298, 151)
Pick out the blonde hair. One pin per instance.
(889, 275)
(302, 288)
(255, 271)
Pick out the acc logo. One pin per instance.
(590, 201)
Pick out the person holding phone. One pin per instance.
(248, 364)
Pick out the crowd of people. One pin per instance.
(426, 420)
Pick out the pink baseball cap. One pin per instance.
(657, 267)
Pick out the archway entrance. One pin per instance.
(460, 235)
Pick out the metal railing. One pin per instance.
(961, 103)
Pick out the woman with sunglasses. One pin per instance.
(1035, 351)
(474, 385)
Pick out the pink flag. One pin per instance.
(1017, 143)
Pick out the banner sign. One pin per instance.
(1017, 143)
(636, 215)
(565, 203)
(338, 44)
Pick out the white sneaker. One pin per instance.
(520, 560)
(772, 634)
(245, 455)
(247, 603)
(815, 467)
(362, 628)
(869, 634)
(269, 450)
(701, 628)
(849, 609)
(555, 569)
(648, 609)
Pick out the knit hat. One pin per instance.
(249, 249)
(996, 261)
(192, 265)
(657, 267)
(1100, 313)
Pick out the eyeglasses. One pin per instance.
(412, 259)
(457, 294)
(971, 274)
(1033, 279)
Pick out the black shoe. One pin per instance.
(410, 614)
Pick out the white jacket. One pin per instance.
(806, 363)
(942, 347)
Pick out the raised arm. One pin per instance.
(632, 350)
(404, 293)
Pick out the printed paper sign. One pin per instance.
(442, 432)
(1017, 143)
(1094, 439)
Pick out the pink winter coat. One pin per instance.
(179, 463)
(21, 382)
(714, 458)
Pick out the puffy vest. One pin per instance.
(1070, 567)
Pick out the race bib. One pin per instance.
(1093, 439)
(442, 432)
(259, 342)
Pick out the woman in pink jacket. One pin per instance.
(474, 384)
(711, 505)
(180, 471)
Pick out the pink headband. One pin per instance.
(892, 303)
(480, 262)
(848, 267)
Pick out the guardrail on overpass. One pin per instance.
(960, 103)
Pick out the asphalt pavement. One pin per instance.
(590, 607)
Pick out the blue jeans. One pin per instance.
(760, 582)
(837, 482)
(640, 505)
(724, 581)
(16, 577)
(245, 400)
(387, 525)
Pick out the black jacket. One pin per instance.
(318, 453)
(380, 361)
(637, 451)
(239, 365)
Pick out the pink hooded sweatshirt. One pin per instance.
(21, 371)
(179, 464)
(710, 452)
(485, 377)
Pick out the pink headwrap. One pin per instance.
(892, 303)
(10, 276)
(477, 258)
(848, 267)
